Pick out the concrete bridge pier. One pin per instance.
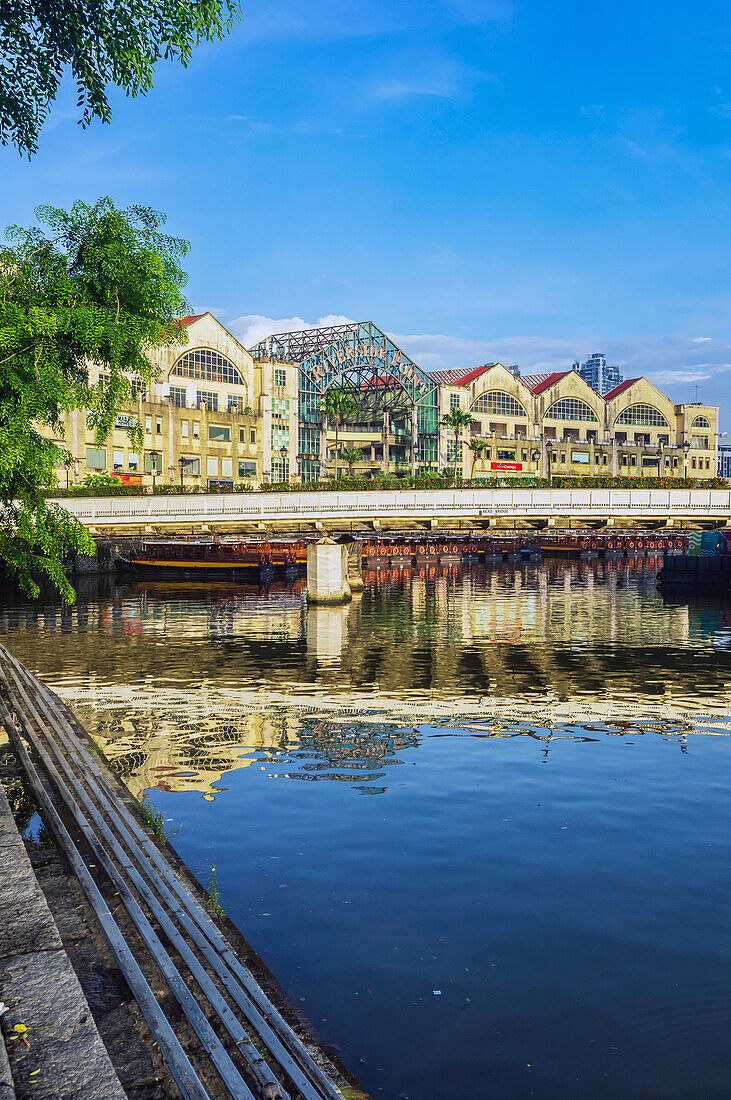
(327, 572)
(355, 561)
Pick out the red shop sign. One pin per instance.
(506, 465)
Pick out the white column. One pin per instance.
(327, 572)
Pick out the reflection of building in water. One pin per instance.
(147, 751)
(329, 628)
(353, 753)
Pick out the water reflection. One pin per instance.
(183, 683)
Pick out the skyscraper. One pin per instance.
(600, 377)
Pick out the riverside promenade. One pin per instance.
(198, 994)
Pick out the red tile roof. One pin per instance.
(190, 318)
(620, 388)
(459, 377)
(537, 383)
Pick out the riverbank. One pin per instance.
(259, 1038)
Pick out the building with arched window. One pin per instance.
(218, 414)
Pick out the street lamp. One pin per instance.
(183, 462)
(549, 456)
(284, 452)
(154, 456)
(659, 458)
(686, 448)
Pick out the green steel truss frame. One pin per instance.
(361, 360)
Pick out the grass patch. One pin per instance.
(154, 819)
(213, 895)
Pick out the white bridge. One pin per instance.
(402, 510)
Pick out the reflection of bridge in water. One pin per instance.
(183, 683)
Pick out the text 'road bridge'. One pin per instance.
(402, 510)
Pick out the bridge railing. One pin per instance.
(479, 502)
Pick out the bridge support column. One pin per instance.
(327, 572)
(354, 563)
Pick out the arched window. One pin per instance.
(495, 401)
(701, 422)
(647, 416)
(206, 365)
(571, 408)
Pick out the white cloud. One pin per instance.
(253, 327)
(428, 76)
(701, 339)
(668, 377)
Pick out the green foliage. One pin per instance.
(101, 44)
(97, 284)
(478, 448)
(213, 896)
(351, 455)
(154, 819)
(337, 405)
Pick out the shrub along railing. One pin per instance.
(97, 486)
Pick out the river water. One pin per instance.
(476, 821)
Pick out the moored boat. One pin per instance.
(213, 558)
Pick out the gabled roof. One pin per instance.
(190, 318)
(620, 388)
(537, 383)
(459, 377)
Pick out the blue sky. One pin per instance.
(484, 179)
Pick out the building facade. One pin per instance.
(219, 415)
(601, 376)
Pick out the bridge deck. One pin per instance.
(469, 509)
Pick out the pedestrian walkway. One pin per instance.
(51, 1044)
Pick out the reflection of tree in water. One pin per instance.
(355, 753)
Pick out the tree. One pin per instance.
(478, 448)
(351, 455)
(97, 284)
(337, 405)
(456, 419)
(100, 44)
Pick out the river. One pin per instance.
(476, 821)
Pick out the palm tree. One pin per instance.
(478, 448)
(337, 405)
(457, 420)
(351, 455)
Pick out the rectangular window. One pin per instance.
(624, 460)
(184, 429)
(247, 468)
(192, 467)
(178, 396)
(700, 442)
(675, 463)
(207, 400)
(226, 467)
(633, 460)
(139, 388)
(235, 404)
(151, 462)
(148, 425)
(524, 456)
(563, 456)
(118, 459)
(103, 381)
(196, 429)
(506, 456)
(693, 463)
(158, 426)
(218, 433)
(96, 458)
(212, 467)
(454, 400)
(132, 460)
(582, 457)
(242, 435)
(280, 377)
